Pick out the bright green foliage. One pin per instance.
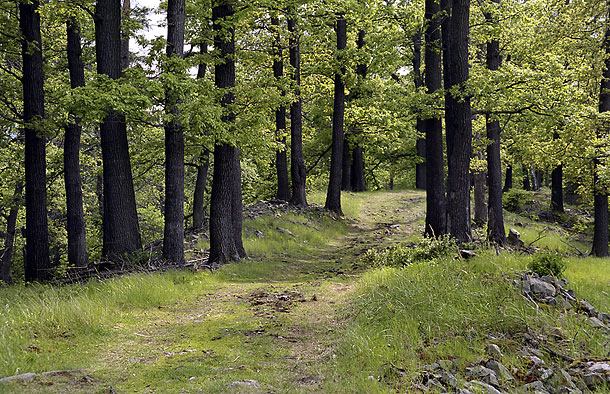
(425, 250)
(548, 264)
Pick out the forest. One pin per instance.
(299, 196)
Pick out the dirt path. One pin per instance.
(249, 336)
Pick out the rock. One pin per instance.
(586, 307)
(550, 279)
(493, 350)
(542, 288)
(569, 390)
(448, 379)
(604, 317)
(593, 380)
(538, 362)
(247, 383)
(563, 282)
(514, 238)
(485, 374)
(559, 378)
(434, 384)
(599, 368)
(502, 373)
(24, 377)
(534, 387)
(481, 387)
(596, 323)
(464, 391)
(467, 254)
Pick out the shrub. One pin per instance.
(399, 255)
(514, 199)
(548, 264)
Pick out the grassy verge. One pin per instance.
(405, 318)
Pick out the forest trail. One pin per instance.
(250, 334)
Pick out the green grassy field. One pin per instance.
(304, 314)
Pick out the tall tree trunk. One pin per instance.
(37, 261)
(225, 205)
(557, 185)
(526, 177)
(202, 166)
(357, 160)
(458, 120)
(557, 189)
(297, 163)
(480, 190)
(200, 184)
(333, 196)
(346, 166)
(435, 167)
(495, 224)
(125, 37)
(173, 235)
(508, 178)
(6, 257)
(77, 239)
(600, 191)
(420, 168)
(535, 180)
(121, 228)
(358, 184)
(281, 161)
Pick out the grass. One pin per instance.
(405, 318)
(303, 314)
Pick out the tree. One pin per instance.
(458, 120)
(226, 204)
(37, 261)
(600, 192)
(435, 167)
(6, 257)
(297, 163)
(333, 196)
(121, 228)
(281, 163)
(495, 224)
(173, 237)
(75, 225)
(557, 185)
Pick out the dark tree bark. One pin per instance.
(435, 168)
(346, 166)
(420, 168)
(557, 189)
(202, 166)
(333, 196)
(480, 191)
(526, 177)
(495, 224)
(297, 163)
(121, 228)
(125, 37)
(37, 261)
(281, 161)
(77, 240)
(225, 205)
(357, 160)
(358, 184)
(198, 196)
(458, 120)
(508, 179)
(557, 186)
(6, 257)
(173, 236)
(600, 191)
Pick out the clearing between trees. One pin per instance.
(324, 304)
